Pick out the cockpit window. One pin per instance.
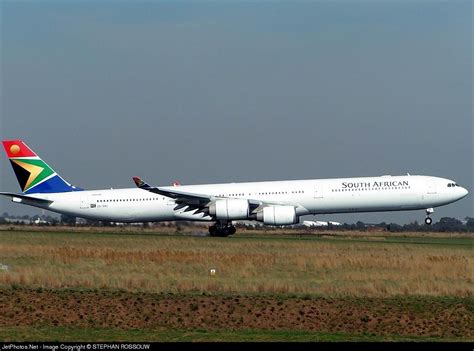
(452, 185)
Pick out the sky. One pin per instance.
(229, 91)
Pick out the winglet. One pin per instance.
(140, 183)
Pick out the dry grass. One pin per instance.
(373, 234)
(243, 265)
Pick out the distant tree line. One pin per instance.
(445, 224)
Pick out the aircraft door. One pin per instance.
(88, 203)
(84, 203)
(318, 191)
(431, 188)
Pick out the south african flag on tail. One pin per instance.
(33, 174)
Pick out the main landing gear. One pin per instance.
(428, 219)
(222, 229)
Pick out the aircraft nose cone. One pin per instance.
(464, 192)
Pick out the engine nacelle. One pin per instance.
(278, 215)
(228, 209)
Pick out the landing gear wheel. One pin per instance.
(213, 230)
(428, 221)
(228, 230)
(217, 230)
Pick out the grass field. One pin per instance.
(262, 268)
(353, 266)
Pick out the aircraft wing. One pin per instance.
(190, 198)
(184, 200)
(196, 201)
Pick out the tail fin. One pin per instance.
(33, 174)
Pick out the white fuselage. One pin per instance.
(319, 196)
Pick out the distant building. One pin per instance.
(40, 221)
(320, 223)
(248, 224)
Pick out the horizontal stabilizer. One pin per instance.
(26, 198)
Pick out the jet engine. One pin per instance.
(278, 215)
(228, 209)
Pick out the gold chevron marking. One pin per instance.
(35, 171)
(14, 149)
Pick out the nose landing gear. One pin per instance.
(428, 219)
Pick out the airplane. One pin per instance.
(320, 224)
(274, 203)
